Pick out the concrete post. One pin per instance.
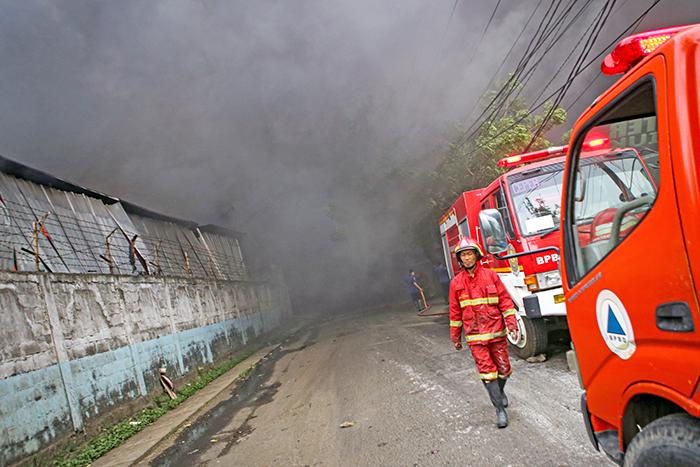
(138, 374)
(173, 328)
(61, 354)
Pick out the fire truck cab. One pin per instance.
(528, 199)
(630, 253)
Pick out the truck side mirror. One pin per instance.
(493, 231)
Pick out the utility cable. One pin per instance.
(474, 50)
(597, 76)
(543, 32)
(442, 40)
(530, 72)
(561, 67)
(590, 62)
(476, 102)
(509, 82)
(601, 19)
(527, 58)
(573, 76)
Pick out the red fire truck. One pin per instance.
(630, 254)
(528, 199)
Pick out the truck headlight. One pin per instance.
(549, 279)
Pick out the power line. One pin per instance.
(507, 55)
(493, 14)
(600, 21)
(530, 73)
(590, 62)
(575, 73)
(556, 33)
(469, 62)
(551, 80)
(597, 76)
(439, 50)
(544, 30)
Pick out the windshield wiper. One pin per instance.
(549, 231)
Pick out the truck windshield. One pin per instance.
(616, 175)
(611, 180)
(536, 197)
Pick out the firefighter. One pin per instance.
(414, 289)
(480, 304)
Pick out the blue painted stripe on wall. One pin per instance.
(34, 408)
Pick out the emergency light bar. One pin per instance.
(631, 50)
(518, 159)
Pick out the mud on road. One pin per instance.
(406, 397)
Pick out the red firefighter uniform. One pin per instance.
(481, 305)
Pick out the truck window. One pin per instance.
(536, 196)
(502, 207)
(464, 228)
(614, 188)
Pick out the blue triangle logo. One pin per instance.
(613, 324)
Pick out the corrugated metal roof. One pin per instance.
(82, 231)
(38, 177)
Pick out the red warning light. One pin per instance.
(631, 50)
(595, 143)
(518, 159)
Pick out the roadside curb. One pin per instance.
(139, 445)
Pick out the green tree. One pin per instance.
(468, 164)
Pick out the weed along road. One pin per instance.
(385, 388)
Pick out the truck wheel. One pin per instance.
(670, 441)
(532, 339)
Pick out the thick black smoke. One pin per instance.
(260, 115)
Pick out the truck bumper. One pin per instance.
(608, 440)
(543, 304)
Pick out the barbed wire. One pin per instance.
(74, 243)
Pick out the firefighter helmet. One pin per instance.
(467, 243)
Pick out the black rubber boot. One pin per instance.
(497, 401)
(501, 385)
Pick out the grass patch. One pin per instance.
(119, 433)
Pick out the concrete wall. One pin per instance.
(73, 346)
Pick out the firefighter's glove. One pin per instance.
(513, 335)
(458, 345)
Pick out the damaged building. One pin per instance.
(97, 294)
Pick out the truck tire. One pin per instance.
(670, 441)
(532, 339)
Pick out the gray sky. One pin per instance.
(255, 115)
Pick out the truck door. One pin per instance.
(630, 301)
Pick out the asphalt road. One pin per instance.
(411, 398)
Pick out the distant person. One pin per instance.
(414, 289)
(481, 305)
(444, 279)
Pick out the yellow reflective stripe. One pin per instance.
(509, 312)
(493, 375)
(520, 266)
(456, 323)
(479, 301)
(485, 337)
